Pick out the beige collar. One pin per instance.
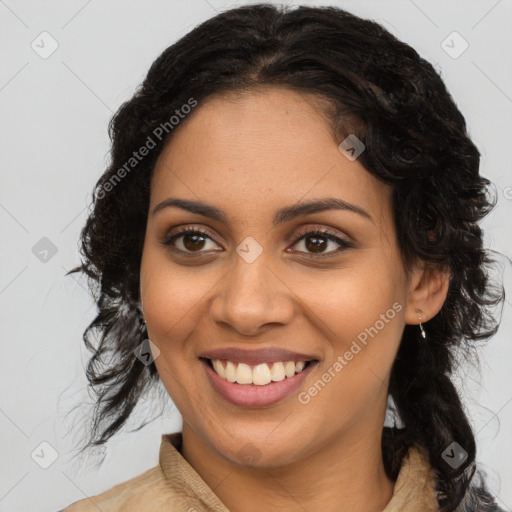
(414, 488)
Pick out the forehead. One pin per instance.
(268, 146)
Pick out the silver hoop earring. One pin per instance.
(423, 333)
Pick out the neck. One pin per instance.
(345, 474)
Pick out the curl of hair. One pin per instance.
(369, 84)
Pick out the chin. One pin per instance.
(258, 451)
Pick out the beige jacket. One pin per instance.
(174, 486)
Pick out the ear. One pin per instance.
(428, 288)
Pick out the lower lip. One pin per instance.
(250, 395)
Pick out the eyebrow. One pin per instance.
(282, 215)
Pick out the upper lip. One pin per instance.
(258, 356)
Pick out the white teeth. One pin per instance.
(260, 375)
(289, 368)
(277, 372)
(217, 365)
(230, 371)
(243, 374)
(299, 366)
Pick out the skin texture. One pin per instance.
(251, 154)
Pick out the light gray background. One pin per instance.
(53, 146)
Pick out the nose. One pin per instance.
(251, 297)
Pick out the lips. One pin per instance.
(252, 396)
(245, 392)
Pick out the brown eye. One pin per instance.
(188, 240)
(316, 243)
(193, 242)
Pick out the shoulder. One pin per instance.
(134, 492)
(172, 485)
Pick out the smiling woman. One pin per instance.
(302, 246)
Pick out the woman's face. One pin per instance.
(247, 284)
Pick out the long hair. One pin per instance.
(371, 85)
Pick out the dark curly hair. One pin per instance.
(371, 85)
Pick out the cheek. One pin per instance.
(352, 299)
(172, 295)
(361, 314)
(359, 310)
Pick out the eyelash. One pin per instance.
(344, 244)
